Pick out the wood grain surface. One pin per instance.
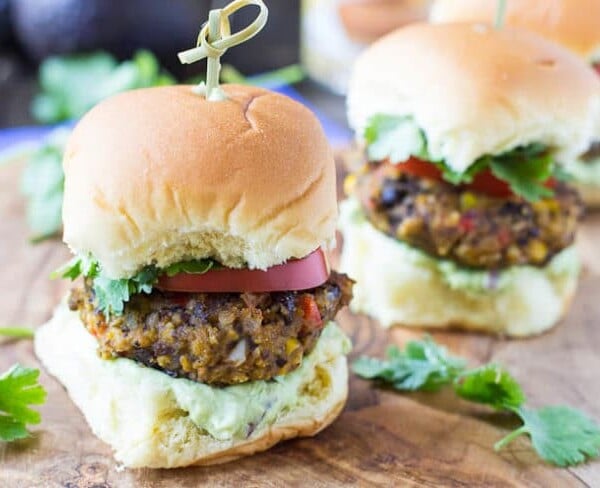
(381, 439)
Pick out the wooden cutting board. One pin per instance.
(381, 439)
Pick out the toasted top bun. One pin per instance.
(368, 20)
(572, 23)
(161, 175)
(475, 90)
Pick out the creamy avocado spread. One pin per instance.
(586, 172)
(233, 412)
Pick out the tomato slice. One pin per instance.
(483, 182)
(420, 168)
(596, 66)
(295, 275)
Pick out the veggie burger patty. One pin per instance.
(216, 338)
(472, 229)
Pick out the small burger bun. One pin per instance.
(475, 90)
(366, 21)
(573, 23)
(152, 428)
(161, 175)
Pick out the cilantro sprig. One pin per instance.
(423, 365)
(19, 389)
(525, 169)
(42, 183)
(71, 85)
(112, 294)
(560, 435)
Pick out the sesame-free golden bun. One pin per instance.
(573, 23)
(474, 90)
(161, 175)
(367, 20)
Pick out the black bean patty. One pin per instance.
(471, 229)
(216, 338)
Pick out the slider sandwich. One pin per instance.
(460, 217)
(201, 329)
(574, 24)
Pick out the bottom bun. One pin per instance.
(586, 178)
(155, 421)
(400, 285)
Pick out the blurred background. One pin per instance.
(321, 36)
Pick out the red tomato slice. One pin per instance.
(295, 275)
(596, 67)
(420, 168)
(483, 182)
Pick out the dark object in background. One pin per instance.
(5, 30)
(50, 27)
(277, 45)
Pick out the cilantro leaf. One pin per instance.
(490, 385)
(198, 266)
(19, 389)
(71, 85)
(71, 270)
(560, 435)
(76, 267)
(422, 365)
(42, 183)
(112, 294)
(396, 138)
(524, 168)
(11, 429)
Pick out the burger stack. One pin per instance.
(462, 216)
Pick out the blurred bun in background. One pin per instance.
(572, 23)
(367, 20)
(334, 32)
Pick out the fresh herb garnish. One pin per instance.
(490, 385)
(71, 85)
(197, 266)
(19, 389)
(560, 435)
(525, 169)
(113, 294)
(423, 365)
(42, 184)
